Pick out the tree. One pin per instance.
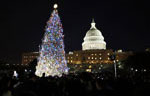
(51, 61)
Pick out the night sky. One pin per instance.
(123, 23)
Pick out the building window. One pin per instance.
(100, 54)
(88, 57)
(92, 57)
(71, 61)
(108, 53)
(90, 66)
(95, 54)
(100, 58)
(95, 58)
(88, 70)
(70, 52)
(76, 54)
(108, 58)
(68, 61)
(92, 54)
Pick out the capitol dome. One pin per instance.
(93, 39)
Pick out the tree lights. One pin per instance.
(51, 61)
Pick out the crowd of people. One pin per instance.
(82, 84)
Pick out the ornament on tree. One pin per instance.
(51, 61)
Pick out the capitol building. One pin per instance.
(93, 57)
(93, 39)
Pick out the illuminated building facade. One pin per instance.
(89, 57)
(93, 60)
(88, 60)
(29, 57)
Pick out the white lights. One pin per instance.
(88, 70)
(119, 50)
(25, 70)
(120, 66)
(66, 70)
(55, 6)
(131, 69)
(90, 66)
(70, 52)
(108, 53)
(15, 74)
(138, 70)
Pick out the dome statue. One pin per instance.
(93, 39)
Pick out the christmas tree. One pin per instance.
(51, 61)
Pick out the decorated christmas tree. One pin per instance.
(51, 61)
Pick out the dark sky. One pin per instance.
(124, 24)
